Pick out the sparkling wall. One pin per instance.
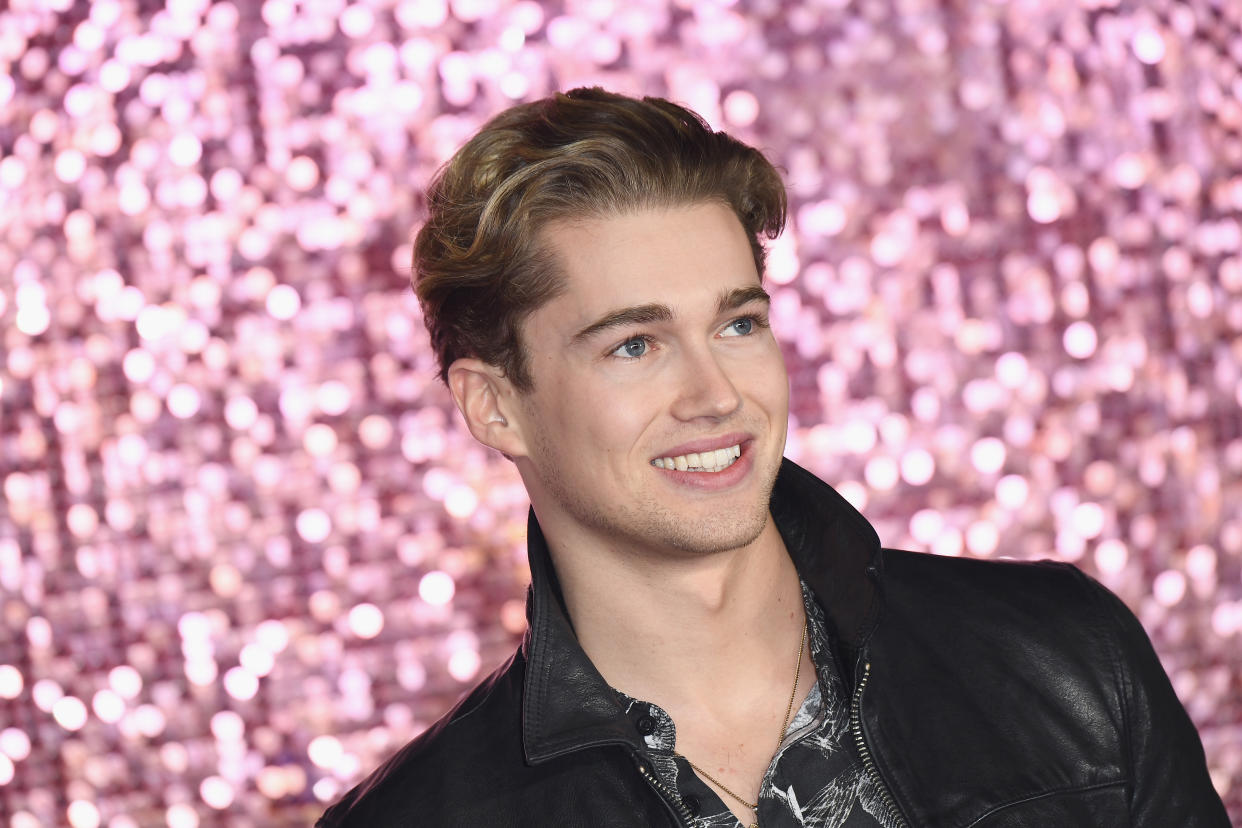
(245, 549)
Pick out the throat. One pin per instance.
(677, 634)
(753, 765)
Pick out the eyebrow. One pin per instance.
(736, 298)
(656, 312)
(637, 315)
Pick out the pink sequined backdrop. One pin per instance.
(246, 551)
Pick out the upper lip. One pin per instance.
(706, 444)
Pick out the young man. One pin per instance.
(716, 637)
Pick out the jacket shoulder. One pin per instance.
(973, 573)
(1026, 683)
(1010, 618)
(480, 732)
(1036, 597)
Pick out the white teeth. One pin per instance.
(701, 461)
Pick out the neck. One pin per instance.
(672, 629)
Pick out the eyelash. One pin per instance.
(758, 321)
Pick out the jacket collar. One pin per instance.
(567, 705)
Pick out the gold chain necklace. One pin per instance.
(754, 806)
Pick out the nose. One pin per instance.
(706, 388)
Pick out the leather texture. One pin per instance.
(998, 695)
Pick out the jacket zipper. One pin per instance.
(671, 799)
(894, 813)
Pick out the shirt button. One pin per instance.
(645, 725)
(692, 805)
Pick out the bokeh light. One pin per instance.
(246, 550)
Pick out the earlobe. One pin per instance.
(483, 396)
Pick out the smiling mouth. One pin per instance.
(706, 461)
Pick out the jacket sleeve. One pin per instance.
(1170, 782)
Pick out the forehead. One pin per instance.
(670, 255)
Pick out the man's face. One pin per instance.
(658, 414)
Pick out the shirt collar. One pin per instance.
(567, 705)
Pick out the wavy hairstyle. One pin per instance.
(479, 263)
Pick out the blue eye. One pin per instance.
(743, 326)
(631, 348)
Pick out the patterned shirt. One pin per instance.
(815, 780)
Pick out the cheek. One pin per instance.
(774, 379)
(777, 404)
(612, 419)
(574, 413)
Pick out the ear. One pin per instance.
(486, 400)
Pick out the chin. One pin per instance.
(707, 536)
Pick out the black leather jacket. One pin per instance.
(984, 694)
